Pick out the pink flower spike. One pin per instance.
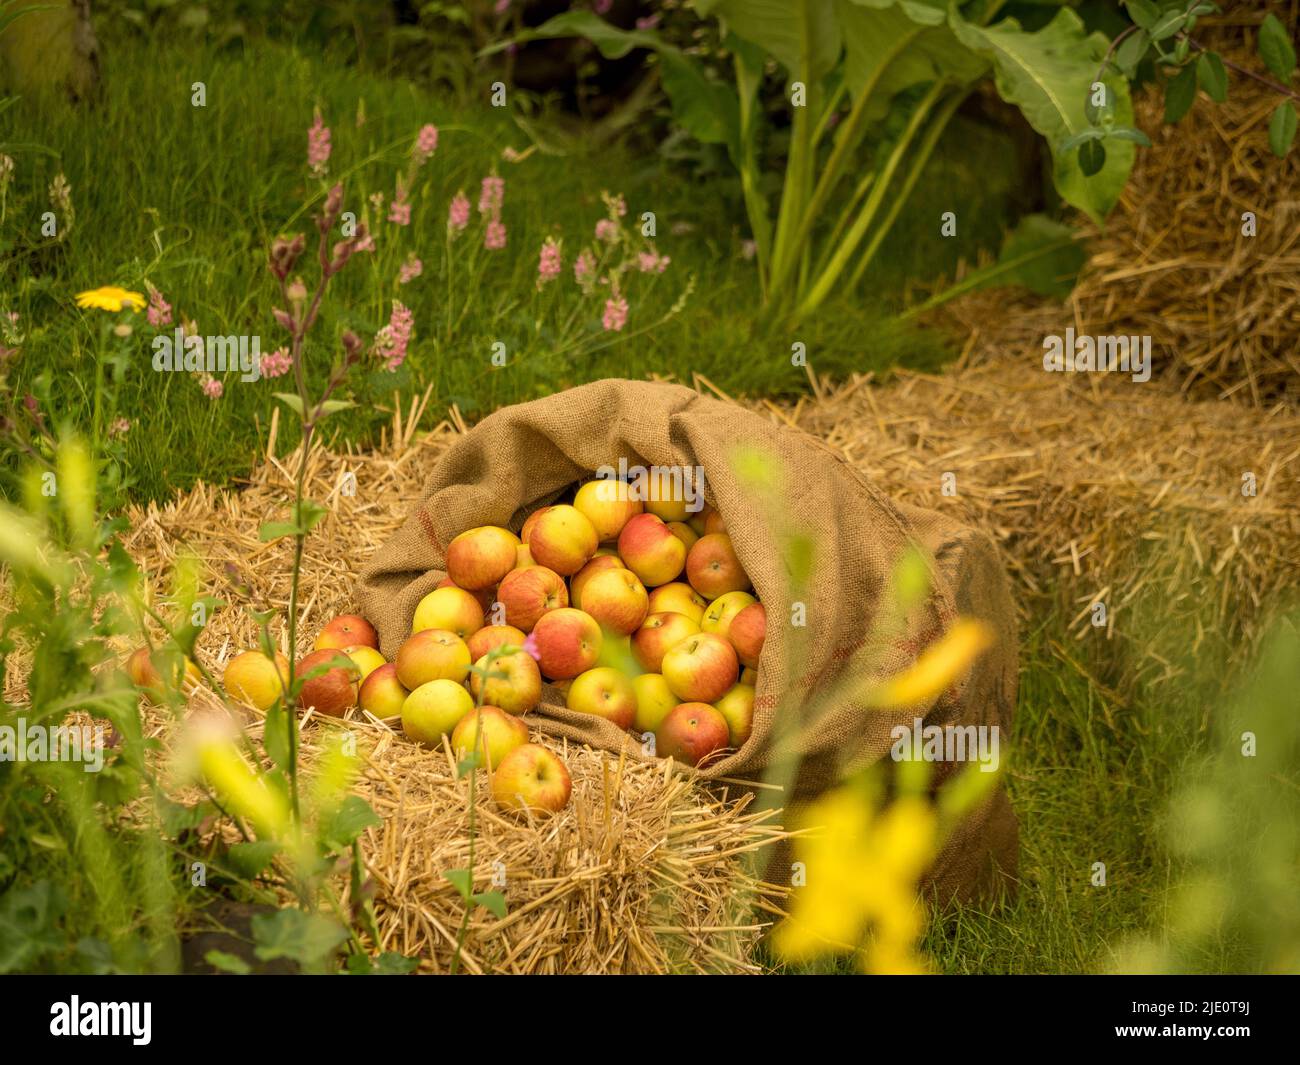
(607, 230)
(426, 142)
(411, 269)
(494, 238)
(212, 388)
(318, 145)
(160, 311)
(549, 262)
(530, 646)
(584, 266)
(615, 317)
(458, 213)
(277, 364)
(392, 340)
(491, 196)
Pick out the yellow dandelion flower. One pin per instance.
(111, 298)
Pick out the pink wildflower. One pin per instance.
(212, 388)
(392, 340)
(277, 364)
(120, 427)
(458, 213)
(491, 196)
(651, 262)
(649, 22)
(160, 311)
(494, 239)
(549, 262)
(411, 269)
(318, 145)
(426, 142)
(615, 317)
(530, 646)
(601, 7)
(584, 266)
(607, 230)
(399, 211)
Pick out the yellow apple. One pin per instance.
(684, 533)
(432, 654)
(658, 634)
(382, 694)
(501, 733)
(723, 610)
(617, 599)
(433, 710)
(562, 539)
(678, 598)
(653, 701)
(531, 778)
(366, 658)
(253, 678)
(579, 580)
(737, 707)
(451, 608)
(701, 668)
(608, 505)
(651, 551)
(479, 558)
(604, 692)
(514, 682)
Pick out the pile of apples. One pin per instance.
(640, 613)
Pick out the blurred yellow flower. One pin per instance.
(937, 669)
(859, 893)
(242, 790)
(111, 298)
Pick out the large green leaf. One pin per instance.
(706, 109)
(778, 27)
(1048, 74)
(892, 45)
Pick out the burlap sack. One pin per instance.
(525, 456)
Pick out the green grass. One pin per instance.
(191, 197)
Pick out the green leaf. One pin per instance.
(460, 880)
(777, 26)
(1180, 94)
(1212, 76)
(1143, 13)
(307, 938)
(333, 406)
(1281, 129)
(1167, 25)
(227, 963)
(1126, 133)
(469, 763)
(1275, 47)
(309, 515)
(1092, 157)
(291, 400)
(1082, 137)
(1048, 74)
(352, 817)
(1131, 50)
(273, 530)
(493, 901)
(250, 860)
(275, 738)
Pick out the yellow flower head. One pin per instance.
(110, 298)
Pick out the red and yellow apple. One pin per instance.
(451, 608)
(562, 540)
(684, 533)
(255, 679)
(694, 733)
(513, 682)
(523, 557)
(347, 630)
(747, 631)
(579, 580)
(366, 658)
(567, 643)
(531, 778)
(651, 550)
(658, 634)
(604, 692)
(722, 611)
(143, 669)
(737, 708)
(433, 710)
(490, 637)
(432, 654)
(608, 505)
(617, 599)
(382, 694)
(713, 523)
(500, 734)
(530, 521)
(678, 598)
(713, 568)
(701, 668)
(332, 693)
(668, 510)
(527, 594)
(479, 558)
(653, 701)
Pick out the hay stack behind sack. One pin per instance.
(526, 456)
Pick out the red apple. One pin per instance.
(718, 617)
(617, 599)
(531, 778)
(651, 551)
(701, 668)
(334, 692)
(747, 632)
(382, 694)
(562, 540)
(567, 642)
(530, 521)
(604, 692)
(490, 637)
(347, 630)
(513, 682)
(693, 733)
(479, 558)
(684, 533)
(658, 634)
(527, 594)
(713, 568)
(713, 523)
(579, 580)
(432, 654)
